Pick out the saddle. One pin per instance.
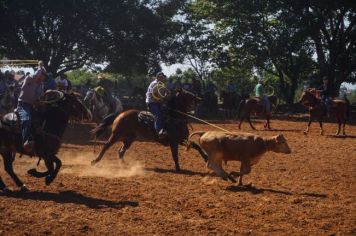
(147, 118)
(259, 100)
(11, 121)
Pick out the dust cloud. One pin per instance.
(79, 164)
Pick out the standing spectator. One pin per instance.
(62, 82)
(231, 87)
(49, 83)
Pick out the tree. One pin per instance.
(67, 34)
(331, 26)
(56, 32)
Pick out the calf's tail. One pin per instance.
(191, 143)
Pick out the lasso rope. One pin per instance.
(204, 121)
(160, 96)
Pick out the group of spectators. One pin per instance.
(12, 79)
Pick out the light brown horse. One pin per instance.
(317, 109)
(128, 127)
(255, 106)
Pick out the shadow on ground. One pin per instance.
(71, 197)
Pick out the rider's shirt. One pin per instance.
(31, 90)
(149, 93)
(259, 90)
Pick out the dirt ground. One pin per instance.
(309, 192)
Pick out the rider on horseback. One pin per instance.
(31, 90)
(106, 93)
(154, 105)
(260, 94)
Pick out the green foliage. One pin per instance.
(352, 97)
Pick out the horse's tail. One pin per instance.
(189, 142)
(108, 120)
(241, 107)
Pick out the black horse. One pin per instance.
(54, 112)
(134, 125)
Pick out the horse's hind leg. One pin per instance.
(174, 150)
(126, 145)
(308, 126)
(52, 171)
(321, 126)
(2, 185)
(343, 127)
(338, 126)
(8, 164)
(241, 120)
(106, 146)
(249, 121)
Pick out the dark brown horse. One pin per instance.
(255, 106)
(130, 126)
(56, 108)
(317, 109)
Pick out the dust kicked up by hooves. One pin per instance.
(79, 164)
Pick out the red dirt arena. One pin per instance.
(309, 192)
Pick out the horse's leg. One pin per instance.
(174, 150)
(267, 124)
(52, 171)
(3, 186)
(343, 126)
(249, 121)
(308, 126)
(8, 164)
(241, 120)
(321, 126)
(126, 145)
(106, 146)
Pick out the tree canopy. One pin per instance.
(288, 41)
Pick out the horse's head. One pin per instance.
(308, 97)
(185, 100)
(68, 102)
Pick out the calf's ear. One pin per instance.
(280, 138)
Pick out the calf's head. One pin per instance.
(281, 145)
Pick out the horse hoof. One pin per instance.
(6, 190)
(33, 172)
(24, 189)
(93, 163)
(231, 178)
(49, 180)
(305, 132)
